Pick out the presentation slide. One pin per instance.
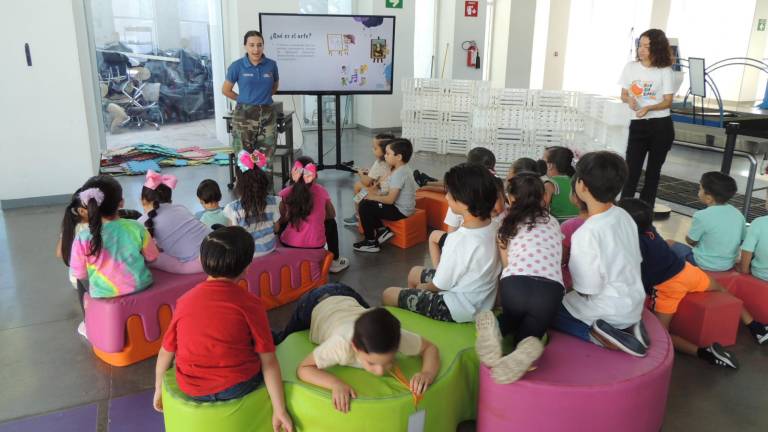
(331, 54)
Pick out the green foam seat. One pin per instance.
(382, 403)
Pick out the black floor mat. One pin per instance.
(686, 193)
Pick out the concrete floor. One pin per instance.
(45, 366)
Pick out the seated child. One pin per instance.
(559, 162)
(668, 278)
(75, 220)
(376, 177)
(754, 250)
(484, 157)
(531, 288)
(464, 282)
(108, 255)
(219, 334)
(209, 194)
(348, 333)
(175, 229)
(567, 228)
(530, 165)
(717, 231)
(308, 214)
(398, 203)
(255, 209)
(606, 304)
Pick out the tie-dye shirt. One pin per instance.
(120, 266)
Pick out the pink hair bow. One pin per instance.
(156, 179)
(248, 161)
(309, 172)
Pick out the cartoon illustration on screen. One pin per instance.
(339, 44)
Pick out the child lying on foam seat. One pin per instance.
(348, 333)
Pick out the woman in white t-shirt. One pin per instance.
(646, 86)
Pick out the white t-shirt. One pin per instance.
(332, 325)
(379, 169)
(536, 252)
(469, 271)
(648, 86)
(605, 267)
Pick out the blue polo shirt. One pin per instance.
(254, 81)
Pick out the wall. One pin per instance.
(446, 23)
(660, 14)
(754, 81)
(49, 132)
(557, 40)
(383, 111)
(502, 10)
(467, 29)
(520, 44)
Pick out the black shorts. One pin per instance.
(423, 302)
(427, 275)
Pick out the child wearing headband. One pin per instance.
(308, 214)
(176, 230)
(255, 209)
(108, 256)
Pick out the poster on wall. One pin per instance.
(331, 54)
(470, 8)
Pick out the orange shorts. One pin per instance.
(670, 293)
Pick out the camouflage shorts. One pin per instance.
(423, 302)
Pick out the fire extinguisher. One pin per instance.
(473, 54)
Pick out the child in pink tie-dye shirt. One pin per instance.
(111, 252)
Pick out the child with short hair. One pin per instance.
(175, 229)
(483, 157)
(109, 255)
(559, 162)
(398, 203)
(606, 304)
(465, 280)
(539, 167)
(212, 214)
(531, 288)
(255, 209)
(754, 250)
(349, 333)
(220, 335)
(668, 278)
(375, 177)
(717, 231)
(308, 215)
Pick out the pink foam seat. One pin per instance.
(707, 317)
(578, 386)
(749, 289)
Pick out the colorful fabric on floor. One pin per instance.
(137, 159)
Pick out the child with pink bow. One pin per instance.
(177, 232)
(308, 214)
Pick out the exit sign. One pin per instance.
(394, 4)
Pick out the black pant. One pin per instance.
(82, 288)
(372, 212)
(529, 305)
(653, 137)
(331, 238)
(302, 315)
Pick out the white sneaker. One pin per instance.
(339, 264)
(81, 329)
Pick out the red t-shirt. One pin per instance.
(217, 331)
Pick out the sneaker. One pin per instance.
(339, 264)
(488, 341)
(351, 221)
(514, 365)
(761, 336)
(367, 246)
(384, 235)
(718, 356)
(641, 334)
(81, 329)
(417, 177)
(613, 338)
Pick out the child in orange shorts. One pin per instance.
(669, 278)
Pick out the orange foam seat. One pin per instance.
(435, 204)
(409, 231)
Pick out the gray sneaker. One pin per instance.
(613, 338)
(641, 334)
(350, 221)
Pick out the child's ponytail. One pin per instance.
(562, 159)
(528, 208)
(158, 189)
(101, 196)
(68, 224)
(300, 203)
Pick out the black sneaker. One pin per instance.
(613, 338)
(641, 334)
(718, 356)
(367, 246)
(761, 337)
(384, 235)
(417, 176)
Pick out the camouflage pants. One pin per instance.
(253, 128)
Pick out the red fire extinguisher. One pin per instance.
(473, 54)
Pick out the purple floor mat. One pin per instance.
(80, 419)
(134, 413)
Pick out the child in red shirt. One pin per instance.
(220, 334)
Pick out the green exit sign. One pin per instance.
(395, 4)
(761, 24)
